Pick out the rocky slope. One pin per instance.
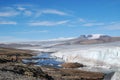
(15, 70)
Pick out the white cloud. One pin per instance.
(113, 26)
(8, 22)
(82, 20)
(48, 23)
(8, 13)
(32, 32)
(28, 10)
(5, 37)
(85, 22)
(14, 11)
(8, 39)
(53, 11)
(50, 11)
(24, 11)
(60, 38)
(28, 13)
(21, 8)
(93, 24)
(38, 12)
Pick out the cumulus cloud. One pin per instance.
(48, 23)
(8, 22)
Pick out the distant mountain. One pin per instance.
(82, 40)
(91, 39)
(97, 40)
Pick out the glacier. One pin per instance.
(99, 56)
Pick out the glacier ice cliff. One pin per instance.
(100, 56)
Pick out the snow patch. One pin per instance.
(94, 36)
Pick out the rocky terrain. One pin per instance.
(14, 69)
(82, 56)
(72, 74)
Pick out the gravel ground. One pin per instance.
(11, 76)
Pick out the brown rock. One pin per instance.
(72, 65)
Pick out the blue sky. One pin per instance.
(24, 20)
